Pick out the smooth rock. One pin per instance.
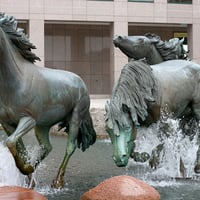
(122, 188)
(19, 193)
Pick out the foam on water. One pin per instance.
(48, 190)
(176, 147)
(9, 174)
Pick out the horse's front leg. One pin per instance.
(22, 155)
(16, 146)
(137, 156)
(155, 156)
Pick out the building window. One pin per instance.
(141, 1)
(82, 49)
(180, 1)
(100, 0)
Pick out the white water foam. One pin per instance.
(9, 174)
(176, 147)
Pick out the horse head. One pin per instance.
(122, 134)
(136, 47)
(151, 47)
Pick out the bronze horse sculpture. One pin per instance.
(139, 96)
(150, 47)
(34, 97)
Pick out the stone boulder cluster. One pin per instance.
(122, 188)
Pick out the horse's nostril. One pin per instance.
(120, 159)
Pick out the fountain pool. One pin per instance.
(86, 170)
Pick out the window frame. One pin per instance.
(142, 1)
(177, 2)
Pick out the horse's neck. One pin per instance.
(11, 70)
(154, 57)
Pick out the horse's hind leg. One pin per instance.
(14, 143)
(71, 146)
(74, 124)
(42, 135)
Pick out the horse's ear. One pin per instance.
(182, 40)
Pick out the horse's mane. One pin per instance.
(135, 87)
(169, 50)
(18, 37)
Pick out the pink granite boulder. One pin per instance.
(122, 188)
(19, 193)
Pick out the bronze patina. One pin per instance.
(139, 97)
(151, 47)
(34, 97)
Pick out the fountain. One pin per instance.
(98, 160)
(84, 170)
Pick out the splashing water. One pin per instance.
(9, 174)
(177, 146)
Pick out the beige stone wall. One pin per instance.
(82, 49)
(120, 15)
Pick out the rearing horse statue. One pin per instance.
(38, 97)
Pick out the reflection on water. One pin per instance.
(86, 170)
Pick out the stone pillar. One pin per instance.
(120, 26)
(36, 34)
(193, 33)
(194, 41)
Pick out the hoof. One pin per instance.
(154, 162)
(26, 169)
(57, 184)
(197, 169)
(140, 157)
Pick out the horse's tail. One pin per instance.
(87, 134)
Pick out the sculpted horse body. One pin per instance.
(139, 96)
(37, 97)
(150, 47)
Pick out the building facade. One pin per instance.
(76, 35)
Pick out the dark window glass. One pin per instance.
(100, 0)
(180, 1)
(141, 0)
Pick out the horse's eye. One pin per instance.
(120, 37)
